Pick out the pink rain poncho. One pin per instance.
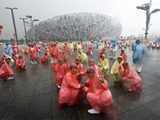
(70, 89)
(15, 49)
(123, 55)
(98, 94)
(131, 80)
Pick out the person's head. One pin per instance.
(90, 72)
(138, 42)
(91, 62)
(73, 68)
(122, 51)
(7, 44)
(45, 53)
(102, 56)
(20, 57)
(60, 61)
(79, 51)
(125, 65)
(119, 59)
(77, 61)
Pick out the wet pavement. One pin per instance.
(33, 96)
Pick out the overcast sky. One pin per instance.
(132, 20)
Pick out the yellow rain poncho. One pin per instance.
(115, 71)
(83, 57)
(104, 64)
(71, 46)
(115, 68)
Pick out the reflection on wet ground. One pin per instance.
(33, 96)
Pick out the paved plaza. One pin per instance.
(33, 96)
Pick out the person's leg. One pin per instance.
(139, 68)
(93, 101)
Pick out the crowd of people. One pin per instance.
(80, 70)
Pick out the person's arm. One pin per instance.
(72, 84)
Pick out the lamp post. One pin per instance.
(31, 23)
(147, 8)
(13, 20)
(25, 30)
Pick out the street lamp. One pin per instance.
(25, 30)
(147, 8)
(13, 19)
(35, 20)
(31, 22)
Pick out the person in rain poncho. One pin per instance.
(71, 46)
(8, 51)
(70, 89)
(131, 81)
(60, 69)
(6, 72)
(138, 55)
(124, 56)
(45, 58)
(20, 63)
(115, 69)
(80, 66)
(97, 92)
(95, 67)
(15, 48)
(83, 57)
(104, 64)
(90, 48)
(33, 54)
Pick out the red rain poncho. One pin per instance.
(55, 51)
(81, 68)
(44, 59)
(5, 70)
(15, 49)
(131, 80)
(98, 94)
(20, 63)
(124, 57)
(33, 53)
(90, 49)
(70, 89)
(60, 71)
(97, 70)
